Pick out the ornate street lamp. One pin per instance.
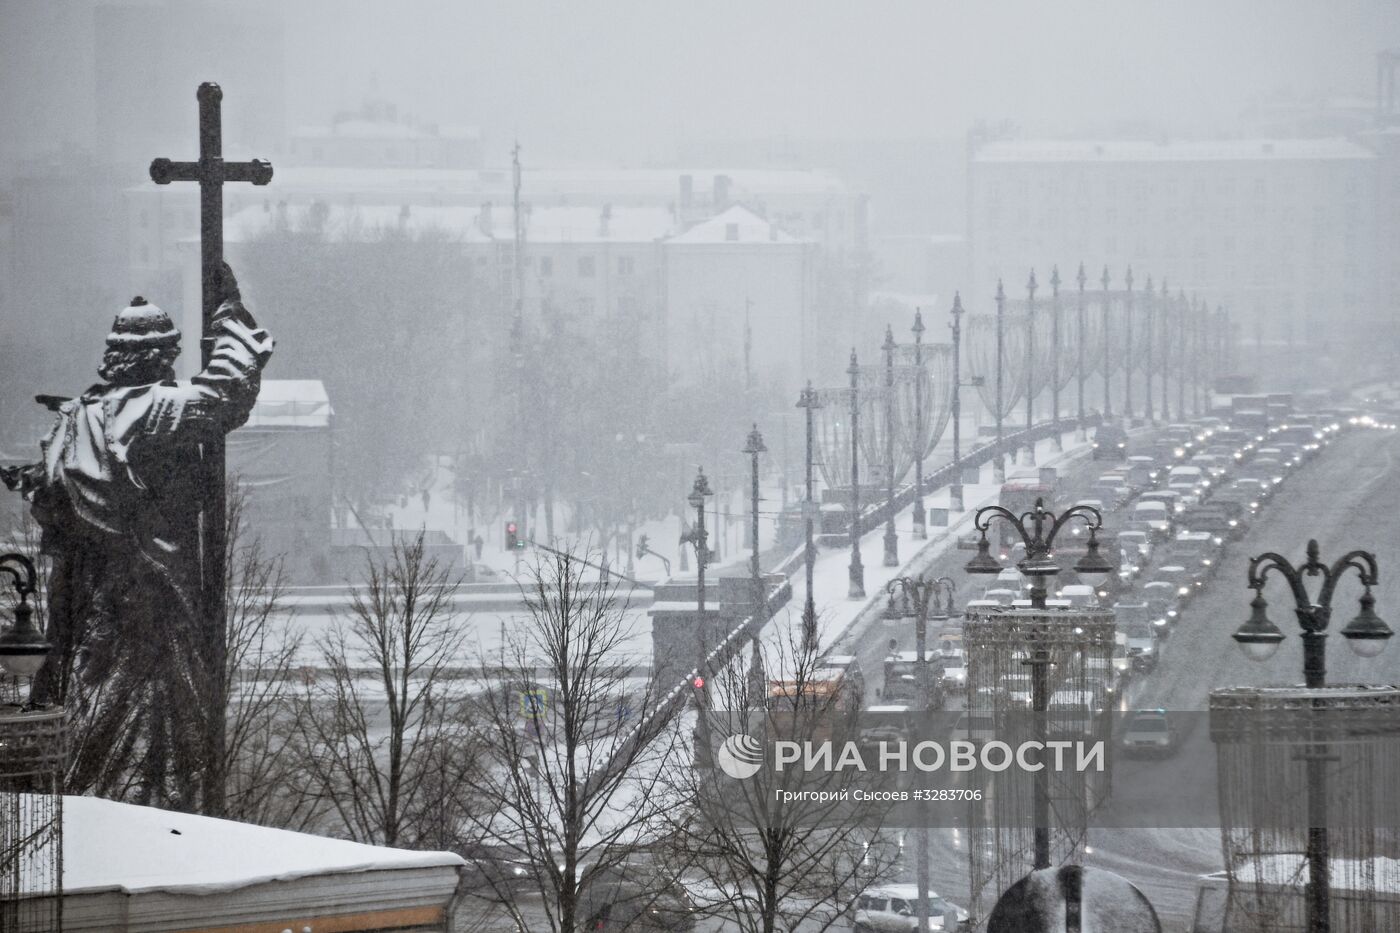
(1055, 355)
(1030, 369)
(808, 400)
(753, 448)
(1166, 306)
(1367, 636)
(920, 518)
(23, 648)
(999, 471)
(1147, 302)
(891, 540)
(857, 570)
(955, 491)
(916, 595)
(1039, 564)
(697, 536)
(1107, 353)
(1128, 348)
(1083, 433)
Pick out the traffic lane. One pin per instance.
(1330, 499)
(1336, 499)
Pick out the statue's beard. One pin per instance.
(138, 367)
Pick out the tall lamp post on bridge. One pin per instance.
(999, 469)
(1183, 322)
(1107, 352)
(697, 536)
(1128, 348)
(1030, 369)
(1147, 302)
(920, 518)
(955, 489)
(1367, 636)
(891, 539)
(753, 448)
(857, 571)
(808, 400)
(913, 597)
(1165, 304)
(1055, 355)
(1039, 565)
(1082, 434)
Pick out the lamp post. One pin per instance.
(1198, 323)
(916, 596)
(1183, 322)
(697, 536)
(891, 541)
(23, 648)
(857, 588)
(920, 518)
(999, 469)
(955, 491)
(1083, 433)
(753, 448)
(1107, 354)
(1039, 565)
(1055, 355)
(808, 400)
(1166, 306)
(1259, 638)
(1030, 368)
(1147, 302)
(1128, 348)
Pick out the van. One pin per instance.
(1156, 513)
(1078, 596)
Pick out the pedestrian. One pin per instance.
(478, 543)
(426, 495)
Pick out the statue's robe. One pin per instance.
(117, 498)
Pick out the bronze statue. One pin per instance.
(116, 497)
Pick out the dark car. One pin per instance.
(638, 899)
(1110, 442)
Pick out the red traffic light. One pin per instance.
(699, 682)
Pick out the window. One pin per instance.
(585, 267)
(731, 232)
(546, 265)
(625, 265)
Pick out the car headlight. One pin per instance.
(1171, 613)
(1121, 446)
(1233, 523)
(1218, 541)
(1179, 452)
(1205, 561)
(1180, 507)
(1183, 590)
(1254, 505)
(1096, 445)
(1159, 622)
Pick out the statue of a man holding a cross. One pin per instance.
(117, 498)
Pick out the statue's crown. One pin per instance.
(142, 324)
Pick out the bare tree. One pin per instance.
(574, 739)
(383, 718)
(764, 863)
(259, 763)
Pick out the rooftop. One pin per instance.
(1088, 150)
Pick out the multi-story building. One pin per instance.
(1283, 232)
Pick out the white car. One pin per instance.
(894, 907)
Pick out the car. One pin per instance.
(1163, 603)
(1215, 520)
(1155, 513)
(1178, 576)
(1150, 732)
(1134, 620)
(894, 907)
(1142, 470)
(1110, 442)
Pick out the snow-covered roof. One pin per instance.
(735, 224)
(1089, 150)
(186, 853)
(383, 129)
(291, 403)
(350, 223)
(544, 185)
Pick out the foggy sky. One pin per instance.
(628, 80)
